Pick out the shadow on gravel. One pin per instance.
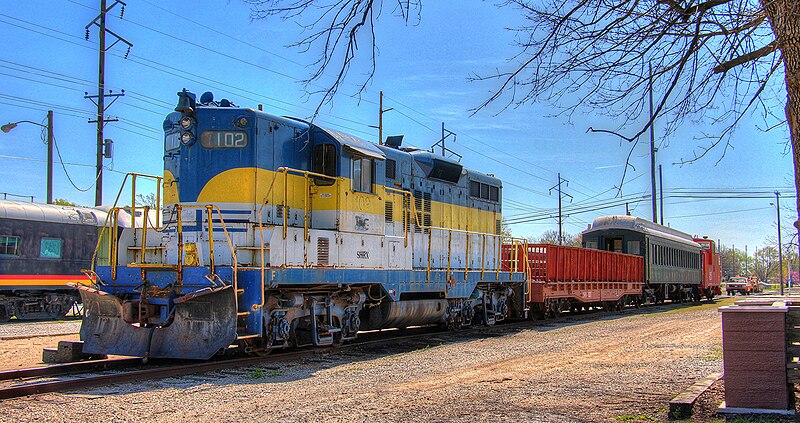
(279, 372)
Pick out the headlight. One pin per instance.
(187, 138)
(240, 122)
(187, 123)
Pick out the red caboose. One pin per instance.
(712, 272)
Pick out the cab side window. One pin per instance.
(361, 175)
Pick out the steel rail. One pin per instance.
(69, 368)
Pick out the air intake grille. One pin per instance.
(389, 212)
(323, 251)
(391, 169)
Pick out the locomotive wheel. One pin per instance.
(4, 316)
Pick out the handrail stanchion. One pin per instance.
(483, 255)
(499, 258)
(430, 238)
(285, 201)
(466, 253)
(211, 239)
(233, 255)
(133, 206)
(112, 259)
(144, 233)
(158, 202)
(180, 242)
(306, 205)
(449, 244)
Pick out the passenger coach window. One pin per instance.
(324, 162)
(361, 176)
(50, 248)
(9, 245)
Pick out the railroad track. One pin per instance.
(117, 371)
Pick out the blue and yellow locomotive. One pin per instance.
(279, 232)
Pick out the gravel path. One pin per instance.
(622, 367)
(14, 329)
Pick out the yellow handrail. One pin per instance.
(211, 259)
(179, 211)
(306, 189)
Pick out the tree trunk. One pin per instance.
(784, 17)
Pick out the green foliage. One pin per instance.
(733, 262)
(259, 373)
(256, 373)
(63, 202)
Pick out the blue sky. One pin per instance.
(45, 63)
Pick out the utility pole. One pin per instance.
(560, 216)
(652, 150)
(445, 133)
(661, 195)
(49, 157)
(381, 111)
(746, 259)
(99, 99)
(780, 244)
(50, 140)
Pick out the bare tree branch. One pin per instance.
(749, 57)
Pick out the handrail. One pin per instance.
(306, 189)
(112, 247)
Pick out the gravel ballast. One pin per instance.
(621, 367)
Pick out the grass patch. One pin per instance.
(713, 355)
(681, 308)
(630, 418)
(259, 373)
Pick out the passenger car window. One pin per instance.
(50, 248)
(9, 245)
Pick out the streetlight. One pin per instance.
(11, 125)
(780, 249)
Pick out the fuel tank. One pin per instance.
(404, 313)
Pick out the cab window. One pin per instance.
(361, 175)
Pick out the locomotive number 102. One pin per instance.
(223, 139)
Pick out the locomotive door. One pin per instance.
(265, 159)
(324, 191)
